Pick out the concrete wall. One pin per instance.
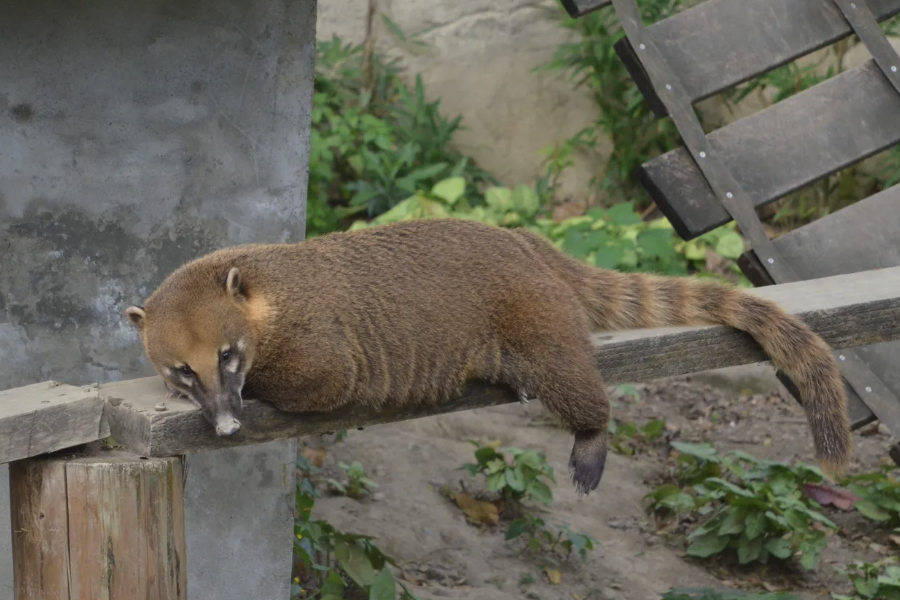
(478, 61)
(135, 136)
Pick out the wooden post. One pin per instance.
(105, 525)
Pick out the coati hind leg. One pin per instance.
(553, 361)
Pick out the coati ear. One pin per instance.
(233, 284)
(136, 315)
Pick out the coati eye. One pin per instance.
(226, 354)
(185, 370)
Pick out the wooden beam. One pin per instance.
(103, 525)
(46, 417)
(579, 8)
(847, 311)
(721, 43)
(778, 150)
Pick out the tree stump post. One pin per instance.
(104, 525)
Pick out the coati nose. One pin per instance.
(227, 427)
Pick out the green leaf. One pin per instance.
(754, 525)
(653, 430)
(515, 479)
(730, 245)
(498, 198)
(707, 545)
(525, 201)
(450, 190)
(496, 481)
(355, 562)
(623, 214)
(656, 243)
(539, 491)
(779, 547)
(608, 257)
(384, 587)
(333, 589)
(873, 511)
(701, 451)
(734, 521)
(749, 550)
(516, 528)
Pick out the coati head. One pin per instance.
(196, 333)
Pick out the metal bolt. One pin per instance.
(729, 195)
(642, 47)
(771, 261)
(668, 87)
(868, 389)
(702, 154)
(853, 5)
(842, 357)
(893, 68)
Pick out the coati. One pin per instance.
(408, 312)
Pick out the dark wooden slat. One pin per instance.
(721, 43)
(853, 310)
(862, 236)
(780, 149)
(579, 8)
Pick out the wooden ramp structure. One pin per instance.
(95, 520)
(725, 175)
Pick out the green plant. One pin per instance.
(549, 540)
(330, 563)
(613, 238)
(623, 116)
(626, 438)
(873, 581)
(374, 140)
(357, 484)
(754, 507)
(711, 594)
(514, 473)
(880, 494)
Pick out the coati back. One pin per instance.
(408, 312)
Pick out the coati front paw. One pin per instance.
(587, 461)
(525, 398)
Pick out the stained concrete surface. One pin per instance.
(134, 137)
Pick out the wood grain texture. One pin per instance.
(46, 417)
(105, 525)
(847, 311)
(778, 150)
(720, 43)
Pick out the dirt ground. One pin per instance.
(443, 556)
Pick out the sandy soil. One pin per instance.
(446, 557)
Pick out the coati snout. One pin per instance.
(201, 349)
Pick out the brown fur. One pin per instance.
(409, 312)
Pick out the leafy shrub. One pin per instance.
(754, 507)
(357, 484)
(514, 473)
(613, 238)
(711, 594)
(374, 140)
(873, 581)
(626, 438)
(880, 493)
(332, 562)
(548, 540)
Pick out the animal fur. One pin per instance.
(408, 312)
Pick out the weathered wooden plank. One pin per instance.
(579, 8)
(862, 236)
(39, 524)
(848, 311)
(721, 43)
(46, 417)
(104, 525)
(780, 149)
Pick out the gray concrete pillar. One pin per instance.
(135, 136)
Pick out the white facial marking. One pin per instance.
(242, 344)
(232, 365)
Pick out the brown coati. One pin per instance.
(408, 312)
